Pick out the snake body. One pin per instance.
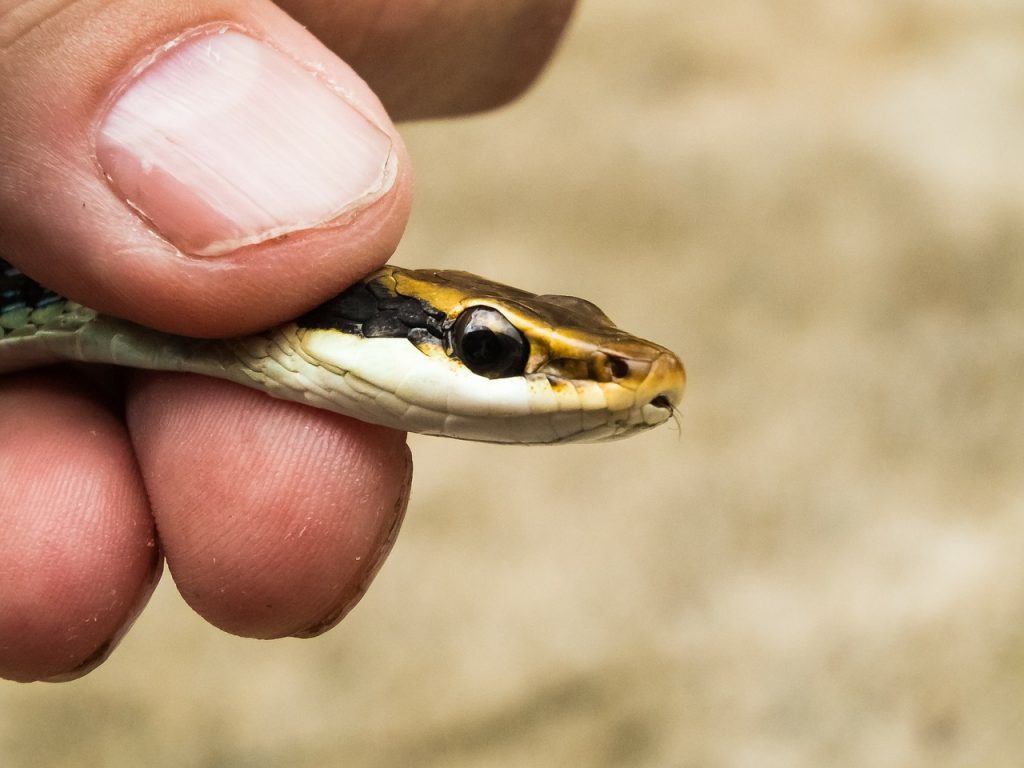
(430, 351)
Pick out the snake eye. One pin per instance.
(489, 344)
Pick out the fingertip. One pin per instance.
(346, 602)
(78, 556)
(273, 515)
(427, 59)
(106, 648)
(215, 169)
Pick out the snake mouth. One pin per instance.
(662, 401)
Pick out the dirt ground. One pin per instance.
(820, 206)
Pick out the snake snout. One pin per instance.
(663, 387)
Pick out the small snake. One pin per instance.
(430, 351)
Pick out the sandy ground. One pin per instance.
(820, 206)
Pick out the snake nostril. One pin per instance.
(662, 401)
(619, 367)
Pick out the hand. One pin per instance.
(211, 169)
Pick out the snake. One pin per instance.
(437, 352)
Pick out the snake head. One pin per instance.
(452, 353)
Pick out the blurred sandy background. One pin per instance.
(820, 205)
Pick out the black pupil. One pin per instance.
(489, 344)
(482, 347)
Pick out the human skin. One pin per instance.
(272, 517)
